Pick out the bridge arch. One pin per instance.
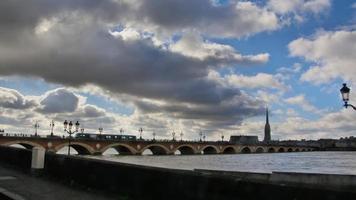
(185, 149)
(289, 150)
(122, 149)
(26, 144)
(210, 150)
(156, 149)
(259, 150)
(229, 150)
(281, 150)
(271, 150)
(245, 150)
(81, 148)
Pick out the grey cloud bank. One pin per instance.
(69, 42)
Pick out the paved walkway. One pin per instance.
(21, 186)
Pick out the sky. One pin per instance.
(183, 66)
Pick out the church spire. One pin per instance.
(267, 128)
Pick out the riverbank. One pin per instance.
(143, 182)
(18, 185)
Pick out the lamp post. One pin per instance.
(52, 126)
(204, 136)
(37, 125)
(181, 136)
(345, 93)
(173, 136)
(140, 130)
(200, 136)
(68, 129)
(222, 137)
(154, 136)
(100, 131)
(121, 131)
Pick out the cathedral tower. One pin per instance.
(267, 129)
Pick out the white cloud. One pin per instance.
(332, 52)
(260, 80)
(301, 101)
(127, 34)
(297, 9)
(331, 125)
(296, 68)
(299, 6)
(193, 45)
(269, 97)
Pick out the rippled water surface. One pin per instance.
(310, 162)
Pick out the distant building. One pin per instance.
(267, 129)
(244, 139)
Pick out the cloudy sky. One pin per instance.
(178, 65)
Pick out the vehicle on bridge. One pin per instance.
(104, 136)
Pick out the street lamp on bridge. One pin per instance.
(154, 136)
(173, 136)
(345, 93)
(181, 136)
(121, 131)
(222, 137)
(36, 126)
(200, 135)
(140, 130)
(101, 129)
(52, 126)
(68, 129)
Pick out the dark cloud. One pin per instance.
(68, 42)
(59, 101)
(92, 111)
(13, 99)
(234, 19)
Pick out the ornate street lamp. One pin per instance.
(345, 93)
(204, 136)
(121, 131)
(173, 136)
(140, 130)
(68, 129)
(100, 131)
(36, 126)
(154, 136)
(222, 137)
(52, 126)
(200, 136)
(181, 136)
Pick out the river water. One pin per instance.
(309, 162)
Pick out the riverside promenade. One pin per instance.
(74, 177)
(17, 185)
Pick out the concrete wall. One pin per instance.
(139, 182)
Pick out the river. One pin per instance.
(310, 162)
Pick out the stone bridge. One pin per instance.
(137, 147)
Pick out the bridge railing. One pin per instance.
(24, 135)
